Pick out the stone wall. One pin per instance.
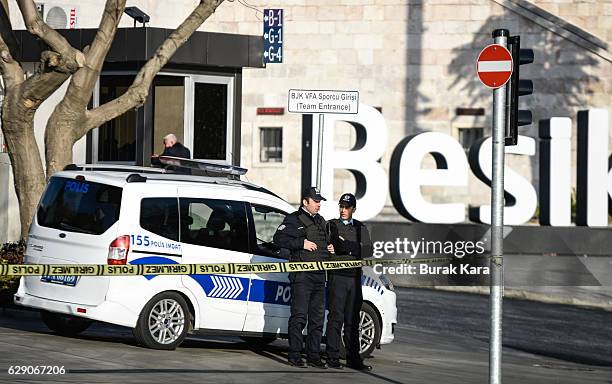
(593, 16)
(415, 60)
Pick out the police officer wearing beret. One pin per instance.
(351, 241)
(304, 234)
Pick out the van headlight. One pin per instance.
(386, 282)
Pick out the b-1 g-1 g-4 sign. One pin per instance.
(594, 181)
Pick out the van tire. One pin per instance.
(369, 313)
(64, 325)
(152, 320)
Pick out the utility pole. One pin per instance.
(500, 37)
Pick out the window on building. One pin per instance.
(215, 223)
(468, 136)
(271, 144)
(117, 138)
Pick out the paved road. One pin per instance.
(565, 332)
(441, 338)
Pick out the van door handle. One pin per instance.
(62, 235)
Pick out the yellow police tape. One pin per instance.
(195, 269)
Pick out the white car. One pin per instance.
(120, 215)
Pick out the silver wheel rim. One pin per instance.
(166, 321)
(367, 331)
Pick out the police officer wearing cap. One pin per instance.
(304, 234)
(351, 241)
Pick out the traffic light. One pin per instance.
(517, 117)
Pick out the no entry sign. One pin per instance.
(494, 66)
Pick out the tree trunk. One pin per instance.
(60, 138)
(24, 96)
(29, 177)
(71, 120)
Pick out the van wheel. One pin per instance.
(163, 322)
(369, 332)
(64, 325)
(258, 341)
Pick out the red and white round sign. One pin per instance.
(494, 66)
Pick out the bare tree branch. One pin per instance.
(73, 57)
(6, 29)
(136, 95)
(53, 61)
(41, 86)
(11, 71)
(106, 32)
(83, 81)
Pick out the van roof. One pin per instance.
(119, 175)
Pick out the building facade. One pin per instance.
(415, 62)
(412, 60)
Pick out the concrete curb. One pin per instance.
(532, 296)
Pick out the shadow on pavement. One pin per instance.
(209, 371)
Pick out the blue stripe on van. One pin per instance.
(271, 292)
(232, 287)
(152, 260)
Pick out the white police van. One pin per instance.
(119, 215)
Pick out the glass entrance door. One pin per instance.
(198, 109)
(116, 139)
(168, 110)
(212, 118)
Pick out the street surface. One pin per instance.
(441, 338)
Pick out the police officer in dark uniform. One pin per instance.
(304, 234)
(351, 241)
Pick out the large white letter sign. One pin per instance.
(520, 196)
(555, 174)
(407, 176)
(362, 161)
(593, 179)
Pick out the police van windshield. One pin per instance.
(79, 206)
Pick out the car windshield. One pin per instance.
(79, 206)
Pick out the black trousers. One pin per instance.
(345, 299)
(307, 305)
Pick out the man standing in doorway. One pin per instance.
(304, 234)
(172, 147)
(351, 241)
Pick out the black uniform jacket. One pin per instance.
(177, 150)
(347, 248)
(299, 226)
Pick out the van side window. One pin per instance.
(79, 206)
(160, 216)
(215, 223)
(266, 220)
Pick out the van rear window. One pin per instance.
(79, 206)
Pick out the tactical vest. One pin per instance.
(316, 231)
(348, 233)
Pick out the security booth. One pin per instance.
(196, 96)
